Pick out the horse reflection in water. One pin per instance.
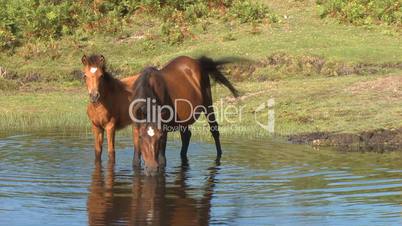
(150, 200)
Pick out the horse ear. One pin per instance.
(84, 60)
(102, 60)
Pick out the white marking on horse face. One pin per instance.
(93, 70)
(150, 132)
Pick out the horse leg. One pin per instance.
(213, 126)
(98, 135)
(162, 148)
(110, 131)
(185, 135)
(137, 152)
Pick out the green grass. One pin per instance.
(335, 104)
(303, 103)
(322, 104)
(43, 111)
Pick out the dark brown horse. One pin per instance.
(110, 99)
(172, 99)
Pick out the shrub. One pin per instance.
(248, 11)
(360, 12)
(24, 20)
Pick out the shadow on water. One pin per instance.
(150, 200)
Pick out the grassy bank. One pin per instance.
(324, 75)
(335, 104)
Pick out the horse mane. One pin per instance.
(150, 85)
(144, 89)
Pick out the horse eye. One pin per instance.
(84, 76)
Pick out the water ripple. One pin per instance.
(52, 178)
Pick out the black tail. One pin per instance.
(210, 67)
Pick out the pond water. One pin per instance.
(52, 180)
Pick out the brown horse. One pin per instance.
(110, 99)
(172, 99)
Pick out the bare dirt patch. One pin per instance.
(391, 84)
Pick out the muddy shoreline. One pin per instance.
(380, 140)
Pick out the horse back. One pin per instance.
(183, 78)
(129, 83)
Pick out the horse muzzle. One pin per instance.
(94, 97)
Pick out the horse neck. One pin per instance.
(112, 91)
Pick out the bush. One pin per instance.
(363, 12)
(24, 20)
(248, 11)
(178, 15)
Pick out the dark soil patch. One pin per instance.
(377, 140)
